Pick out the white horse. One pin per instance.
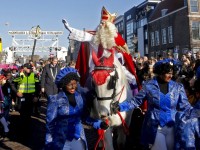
(104, 72)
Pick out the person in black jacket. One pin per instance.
(48, 78)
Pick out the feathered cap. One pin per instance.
(63, 73)
(169, 61)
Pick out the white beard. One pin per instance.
(106, 36)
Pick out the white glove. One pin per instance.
(130, 77)
(66, 24)
(77, 35)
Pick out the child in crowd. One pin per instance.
(14, 71)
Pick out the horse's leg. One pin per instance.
(109, 139)
(121, 138)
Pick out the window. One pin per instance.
(152, 7)
(145, 21)
(195, 30)
(134, 27)
(129, 42)
(193, 6)
(145, 35)
(152, 39)
(164, 11)
(121, 26)
(165, 54)
(170, 35)
(129, 28)
(157, 53)
(128, 17)
(195, 51)
(164, 40)
(157, 38)
(142, 23)
(152, 54)
(139, 24)
(129, 34)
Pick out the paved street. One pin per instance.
(36, 142)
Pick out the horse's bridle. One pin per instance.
(114, 78)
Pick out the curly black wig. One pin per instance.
(165, 68)
(67, 79)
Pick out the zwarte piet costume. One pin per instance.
(63, 119)
(158, 126)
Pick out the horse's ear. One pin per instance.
(111, 58)
(94, 58)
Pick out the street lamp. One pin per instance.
(35, 37)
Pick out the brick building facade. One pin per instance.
(194, 20)
(174, 28)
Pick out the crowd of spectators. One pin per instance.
(187, 74)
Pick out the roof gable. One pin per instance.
(171, 5)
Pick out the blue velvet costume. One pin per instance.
(63, 121)
(151, 92)
(187, 131)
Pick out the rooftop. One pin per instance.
(170, 5)
(148, 1)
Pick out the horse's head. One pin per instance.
(104, 80)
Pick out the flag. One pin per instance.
(7, 23)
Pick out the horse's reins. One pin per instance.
(124, 125)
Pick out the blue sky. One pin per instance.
(24, 14)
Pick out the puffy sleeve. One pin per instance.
(187, 136)
(130, 77)
(136, 101)
(80, 35)
(51, 116)
(191, 134)
(183, 102)
(89, 120)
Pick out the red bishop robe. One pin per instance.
(83, 58)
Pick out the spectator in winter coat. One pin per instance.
(48, 78)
